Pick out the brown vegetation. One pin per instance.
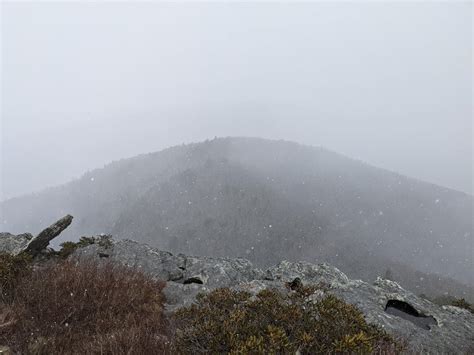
(85, 307)
(12, 269)
(82, 308)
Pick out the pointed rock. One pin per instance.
(41, 241)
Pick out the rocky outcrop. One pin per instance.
(37, 244)
(186, 275)
(425, 326)
(15, 244)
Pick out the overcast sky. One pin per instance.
(87, 83)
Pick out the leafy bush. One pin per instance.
(82, 308)
(227, 321)
(12, 268)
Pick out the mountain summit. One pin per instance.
(266, 201)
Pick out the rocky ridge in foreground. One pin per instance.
(423, 325)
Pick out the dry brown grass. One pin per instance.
(85, 308)
(12, 269)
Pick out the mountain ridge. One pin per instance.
(327, 205)
(183, 145)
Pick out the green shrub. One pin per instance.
(227, 321)
(66, 307)
(67, 248)
(12, 269)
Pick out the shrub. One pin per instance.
(67, 248)
(82, 308)
(462, 303)
(227, 321)
(448, 300)
(12, 268)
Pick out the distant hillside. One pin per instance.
(266, 201)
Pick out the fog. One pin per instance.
(87, 83)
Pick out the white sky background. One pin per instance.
(87, 83)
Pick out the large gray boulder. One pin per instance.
(426, 326)
(162, 265)
(13, 244)
(186, 276)
(324, 273)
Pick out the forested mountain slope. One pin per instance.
(266, 201)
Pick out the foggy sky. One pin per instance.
(87, 83)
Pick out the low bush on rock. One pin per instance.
(448, 300)
(462, 303)
(227, 321)
(67, 248)
(70, 307)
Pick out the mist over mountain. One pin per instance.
(267, 201)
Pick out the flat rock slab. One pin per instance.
(162, 265)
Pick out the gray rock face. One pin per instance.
(447, 332)
(425, 326)
(13, 244)
(308, 273)
(186, 275)
(158, 264)
(162, 265)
